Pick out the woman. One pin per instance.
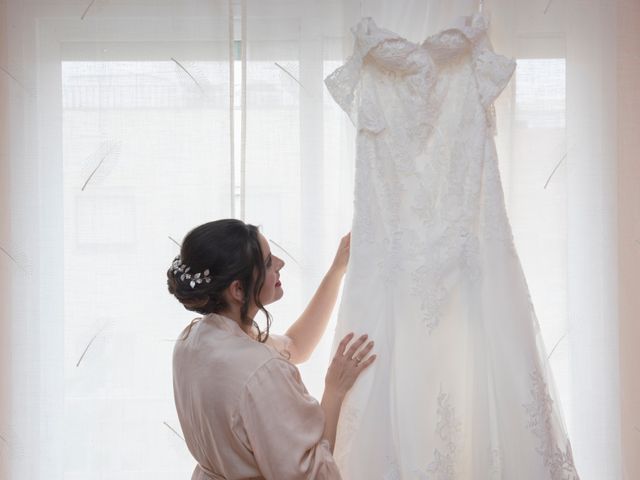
(243, 408)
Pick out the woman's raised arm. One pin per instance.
(307, 331)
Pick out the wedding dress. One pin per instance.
(461, 388)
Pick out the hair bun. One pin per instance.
(194, 303)
(186, 296)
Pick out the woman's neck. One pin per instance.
(235, 315)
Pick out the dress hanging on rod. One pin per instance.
(461, 389)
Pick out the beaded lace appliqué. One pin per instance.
(540, 410)
(448, 428)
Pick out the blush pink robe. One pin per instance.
(243, 408)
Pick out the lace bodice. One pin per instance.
(423, 113)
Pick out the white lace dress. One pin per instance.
(461, 388)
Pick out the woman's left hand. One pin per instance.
(342, 255)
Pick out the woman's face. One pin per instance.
(272, 288)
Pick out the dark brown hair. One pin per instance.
(230, 250)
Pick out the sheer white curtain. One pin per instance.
(129, 124)
(124, 124)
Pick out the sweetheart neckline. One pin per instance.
(477, 23)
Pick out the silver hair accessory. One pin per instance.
(184, 271)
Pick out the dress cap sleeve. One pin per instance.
(493, 72)
(343, 83)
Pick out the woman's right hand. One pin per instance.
(348, 364)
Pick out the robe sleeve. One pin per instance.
(283, 425)
(282, 343)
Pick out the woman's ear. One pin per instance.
(236, 292)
